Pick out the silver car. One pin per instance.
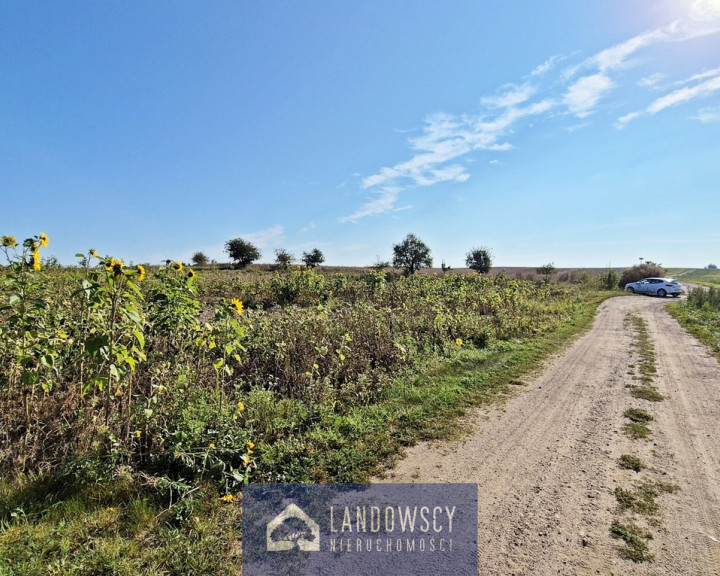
(656, 286)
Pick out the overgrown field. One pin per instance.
(137, 402)
(700, 315)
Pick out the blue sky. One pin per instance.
(579, 133)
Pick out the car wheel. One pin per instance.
(631, 290)
(661, 293)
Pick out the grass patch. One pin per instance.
(649, 393)
(628, 462)
(641, 499)
(635, 539)
(636, 430)
(637, 415)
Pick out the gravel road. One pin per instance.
(546, 460)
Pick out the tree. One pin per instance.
(242, 252)
(284, 258)
(712, 267)
(547, 270)
(479, 259)
(199, 259)
(411, 255)
(314, 258)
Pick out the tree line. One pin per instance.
(410, 255)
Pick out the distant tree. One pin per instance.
(712, 267)
(283, 258)
(411, 255)
(241, 252)
(313, 258)
(640, 271)
(479, 259)
(199, 259)
(547, 270)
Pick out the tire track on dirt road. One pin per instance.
(546, 460)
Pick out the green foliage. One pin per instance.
(411, 255)
(313, 258)
(712, 267)
(610, 280)
(241, 252)
(479, 259)
(640, 271)
(634, 537)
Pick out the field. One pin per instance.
(137, 402)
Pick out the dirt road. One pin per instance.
(546, 461)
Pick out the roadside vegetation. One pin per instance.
(699, 313)
(138, 400)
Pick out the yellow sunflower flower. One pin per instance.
(9, 241)
(140, 273)
(227, 498)
(94, 253)
(237, 305)
(43, 239)
(459, 342)
(36, 259)
(191, 274)
(177, 266)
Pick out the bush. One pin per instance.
(610, 280)
(640, 271)
(479, 259)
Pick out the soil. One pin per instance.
(546, 460)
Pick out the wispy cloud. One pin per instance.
(708, 114)
(267, 238)
(584, 94)
(681, 96)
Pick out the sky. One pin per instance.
(586, 134)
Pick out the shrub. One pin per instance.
(640, 271)
(199, 259)
(284, 258)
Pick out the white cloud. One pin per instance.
(623, 120)
(685, 94)
(512, 96)
(708, 114)
(585, 93)
(384, 201)
(546, 66)
(651, 81)
(266, 238)
(308, 228)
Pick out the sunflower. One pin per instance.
(177, 266)
(237, 305)
(191, 274)
(94, 253)
(36, 259)
(140, 273)
(9, 241)
(43, 239)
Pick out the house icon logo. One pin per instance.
(293, 528)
